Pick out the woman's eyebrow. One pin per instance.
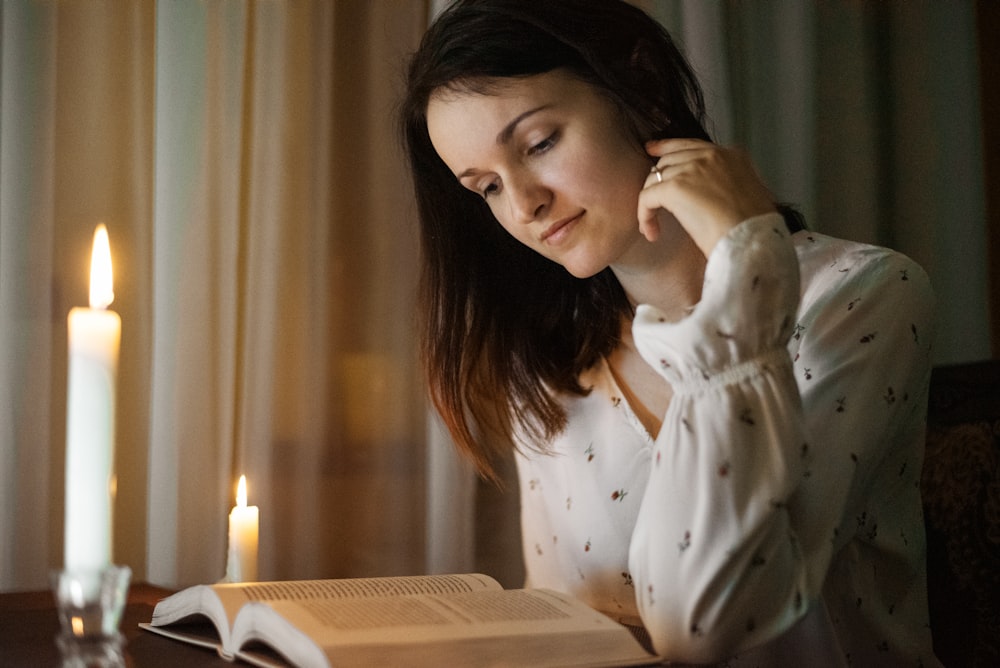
(505, 135)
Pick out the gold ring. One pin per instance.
(659, 177)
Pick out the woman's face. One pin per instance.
(549, 155)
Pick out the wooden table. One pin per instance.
(28, 627)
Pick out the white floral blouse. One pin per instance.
(775, 520)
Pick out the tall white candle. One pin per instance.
(94, 337)
(241, 565)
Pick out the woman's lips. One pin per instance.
(559, 230)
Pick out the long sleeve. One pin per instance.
(762, 466)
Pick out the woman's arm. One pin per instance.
(748, 489)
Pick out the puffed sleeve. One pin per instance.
(729, 550)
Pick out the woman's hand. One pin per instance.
(709, 189)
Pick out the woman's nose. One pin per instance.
(528, 199)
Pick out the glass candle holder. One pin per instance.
(90, 606)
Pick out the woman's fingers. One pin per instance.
(709, 189)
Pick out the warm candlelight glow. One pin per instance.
(101, 284)
(244, 524)
(241, 492)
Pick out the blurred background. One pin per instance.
(245, 160)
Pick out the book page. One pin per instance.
(221, 603)
(502, 612)
(363, 588)
(537, 627)
(218, 605)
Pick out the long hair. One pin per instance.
(505, 330)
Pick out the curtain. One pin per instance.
(75, 148)
(866, 116)
(244, 158)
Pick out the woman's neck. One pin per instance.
(667, 273)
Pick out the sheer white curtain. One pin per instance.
(76, 111)
(243, 156)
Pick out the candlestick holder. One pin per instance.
(90, 606)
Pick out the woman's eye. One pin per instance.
(489, 190)
(544, 145)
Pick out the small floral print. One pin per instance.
(618, 495)
(684, 544)
(873, 532)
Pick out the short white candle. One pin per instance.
(241, 566)
(94, 337)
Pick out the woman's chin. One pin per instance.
(583, 270)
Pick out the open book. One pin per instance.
(431, 620)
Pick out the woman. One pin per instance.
(718, 415)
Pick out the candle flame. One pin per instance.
(241, 492)
(101, 291)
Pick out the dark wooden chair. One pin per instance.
(961, 491)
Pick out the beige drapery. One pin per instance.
(243, 157)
